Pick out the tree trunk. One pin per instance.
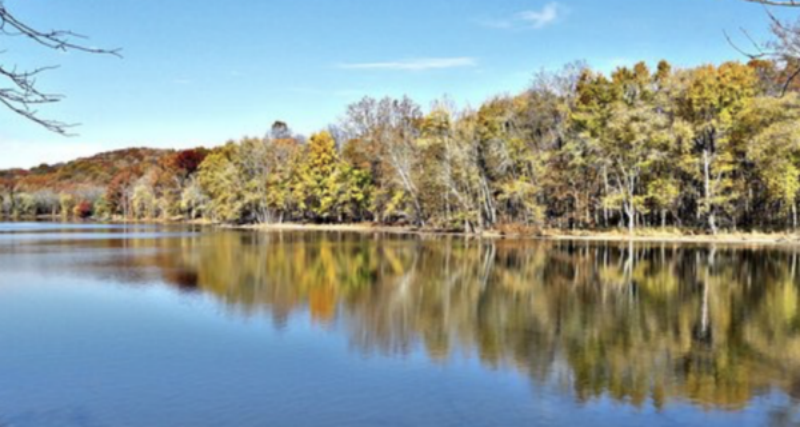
(631, 211)
(491, 209)
(418, 208)
(712, 220)
(605, 208)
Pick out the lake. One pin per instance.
(111, 325)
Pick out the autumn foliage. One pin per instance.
(83, 209)
(706, 148)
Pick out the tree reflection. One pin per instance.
(641, 323)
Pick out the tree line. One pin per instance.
(708, 147)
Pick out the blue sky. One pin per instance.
(200, 72)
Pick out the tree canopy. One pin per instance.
(709, 148)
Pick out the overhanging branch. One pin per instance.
(21, 94)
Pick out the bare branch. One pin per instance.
(21, 94)
(32, 115)
(792, 77)
(784, 3)
(751, 55)
(54, 39)
(786, 49)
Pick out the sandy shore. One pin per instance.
(356, 228)
(723, 238)
(645, 236)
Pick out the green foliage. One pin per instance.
(26, 205)
(355, 192)
(102, 209)
(144, 203)
(319, 178)
(769, 131)
(707, 147)
(221, 180)
(194, 202)
(330, 189)
(67, 203)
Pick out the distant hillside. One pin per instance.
(94, 171)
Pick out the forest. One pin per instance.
(716, 147)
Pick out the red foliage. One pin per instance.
(90, 172)
(10, 180)
(187, 162)
(83, 210)
(7, 183)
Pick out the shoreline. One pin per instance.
(643, 236)
(515, 233)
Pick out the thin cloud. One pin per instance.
(542, 18)
(421, 64)
(529, 19)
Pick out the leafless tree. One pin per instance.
(784, 49)
(20, 93)
(390, 127)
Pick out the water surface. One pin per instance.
(167, 326)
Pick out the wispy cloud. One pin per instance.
(420, 64)
(542, 18)
(529, 19)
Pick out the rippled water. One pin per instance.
(158, 326)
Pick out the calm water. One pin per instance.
(150, 326)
